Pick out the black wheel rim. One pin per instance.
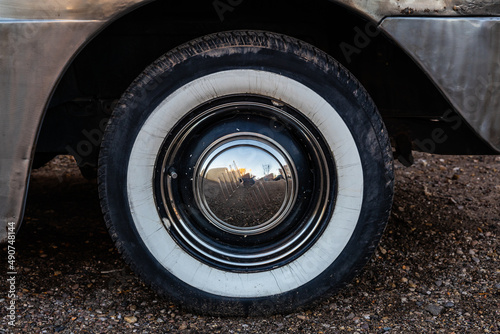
(223, 211)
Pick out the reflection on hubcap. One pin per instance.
(245, 183)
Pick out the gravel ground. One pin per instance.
(436, 270)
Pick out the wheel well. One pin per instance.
(103, 70)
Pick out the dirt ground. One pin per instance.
(435, 271)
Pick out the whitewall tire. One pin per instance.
(246, 173)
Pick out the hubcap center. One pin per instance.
(245, 183)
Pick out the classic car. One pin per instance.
(243, 149)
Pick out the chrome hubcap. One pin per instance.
(245, 183)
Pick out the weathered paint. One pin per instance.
(37, 41)
(378, 9)
(64, 9)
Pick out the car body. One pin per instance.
(432, 67)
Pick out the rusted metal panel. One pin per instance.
(64, 9)
(37, 41)
(378, 9)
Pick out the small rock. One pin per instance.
(475, 259)
(130, 320)
(183, 326)
(434, 309)
(497, 286)
(438, 283)
(302, 317)
(350, 316)
(59, 328)
(449, 305)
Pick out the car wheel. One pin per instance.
(246, 173)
